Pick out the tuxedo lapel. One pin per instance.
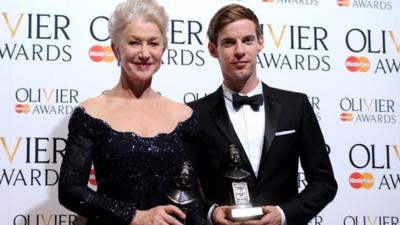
(221, 117)
(272, 110)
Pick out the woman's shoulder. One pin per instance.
(94, 106)
(186, 118)
(179, 110)
(83, 116)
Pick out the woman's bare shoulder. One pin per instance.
(179, 110)
(95, 105)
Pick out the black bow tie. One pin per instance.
(254, 101)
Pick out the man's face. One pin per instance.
(236, 50)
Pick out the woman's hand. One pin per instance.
(160, 215)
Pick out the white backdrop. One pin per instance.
(343, 54)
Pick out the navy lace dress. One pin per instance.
(132, 172)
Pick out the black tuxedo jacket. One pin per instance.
(292, 133)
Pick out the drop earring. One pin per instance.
(118, 60)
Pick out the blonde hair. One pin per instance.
(130, 10)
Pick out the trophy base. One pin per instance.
(243, 214)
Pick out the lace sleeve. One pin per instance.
(73, 191)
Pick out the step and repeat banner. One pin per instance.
(344, 54)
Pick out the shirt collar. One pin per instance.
(227, 92)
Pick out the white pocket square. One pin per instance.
(285, 132)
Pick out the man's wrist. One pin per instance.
(283, 217)
(209, 214)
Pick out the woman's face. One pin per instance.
(140, 50)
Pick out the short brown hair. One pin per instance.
(228, 14)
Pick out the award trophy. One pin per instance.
(180, 195)
(240, 195)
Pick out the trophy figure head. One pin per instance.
(235, 172)
(234, 155)
(181, 194)
(183, 182)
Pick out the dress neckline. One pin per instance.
(133, 133)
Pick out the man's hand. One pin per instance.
(219, 216)
(271, 217)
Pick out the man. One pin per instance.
(273, 133)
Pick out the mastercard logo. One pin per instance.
(98, 53)
(346, 117)
(268, 0)
(22, 108)
(360, 64)
(92, 177)
(361, 180)
(343, 3)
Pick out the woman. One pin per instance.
(136, 139)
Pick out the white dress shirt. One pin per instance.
(249, 125)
